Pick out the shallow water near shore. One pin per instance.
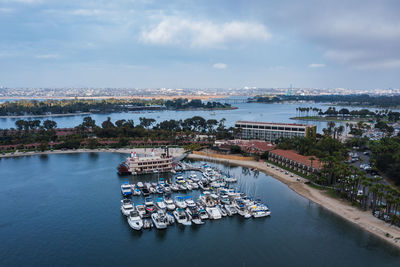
(65, 210)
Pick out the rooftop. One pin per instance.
(274, 123)
(293, 155)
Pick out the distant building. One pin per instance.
(270, 131)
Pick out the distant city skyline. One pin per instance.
(200, 44)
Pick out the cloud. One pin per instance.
(6, 10)
(47, 56)
(316, 65)
(22, 1)
(220, 66)
(175, 30)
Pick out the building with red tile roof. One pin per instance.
(295, 161)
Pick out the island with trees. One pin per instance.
(82, 106)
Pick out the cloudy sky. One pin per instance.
(205, 43)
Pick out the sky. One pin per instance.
(200, 44)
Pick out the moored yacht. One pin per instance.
(180, 202)
(160, 203)
(126, 189)
(213, 213)
(134, 220)
(169, 203)
(126, 206)
(159, 219)
(182, 217)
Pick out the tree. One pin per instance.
(49, 124)
(235, 149)
(146, 123)
(107, 124)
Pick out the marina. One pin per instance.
(217, 197)
(75, 219)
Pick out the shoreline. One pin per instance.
(173, 152)
(363, 219)
(91, 113)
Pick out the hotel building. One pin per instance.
(269, 131)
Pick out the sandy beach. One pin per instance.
(363, 219)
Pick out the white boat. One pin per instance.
(174, 187)
(167, 189)
(160, 203)
(241, 209)
(169, 203)
(182, 187)
(149, 204)
(213, 213)
(230, 210)
(180, 202)
(196, 218)
(134, 220)
(170, 218)
(159, 219)
(222, 210)
(126, 207)
(203, 214)
(140, 185)
(259, 210)
(194, 185)
(126, 190)
(188, 186)
(182, 217)
(136, 192)
(189, 202)
(141, 210)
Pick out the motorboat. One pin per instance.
(170, 218)
(180, 202)
(182, 187)
(140, 185)
(126, 206)
(160, 203)
(206, 200)
(213, 213)
(180, 180)
(152, 190)
(126, 189)
(241, 209)
(174, 187)
(169, 203)
(136, 192)
(141, 210)
(159, 190)
(189, 202)
(230, 210)
(182, 217)
(194, 185)
(196, 218)
(188, 186)
(225, 200)
(167, 189)
(149, 204)
(147, 223)
(159, 219)
(134, 220)
(203, 214)
(145, 191)
(222, 210)
(259, 209)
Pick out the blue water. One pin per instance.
(245, 111)
(65, 210)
